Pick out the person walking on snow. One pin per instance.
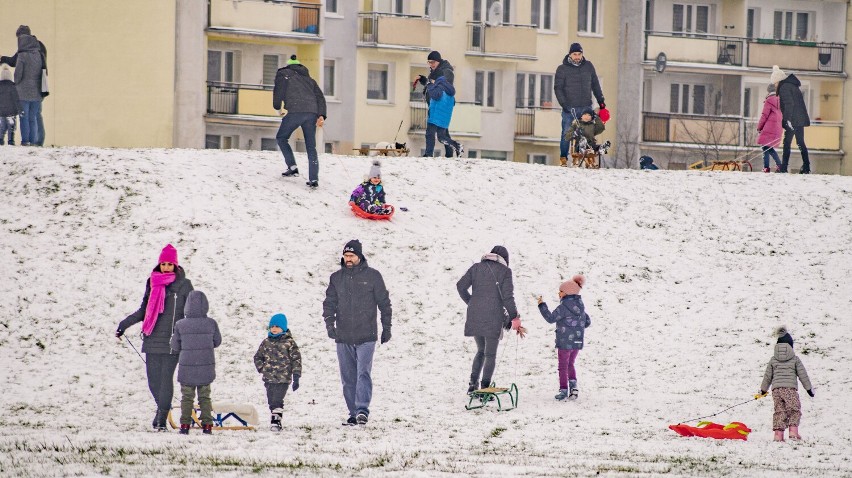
(769, 127)
(162, 307)
(194, 338)
(490, 309)
(13, 62)
(305, 107)
(280, 363)
(783, 372)
(794, 116)
(436, 96)
(571, 321)
(575, 82)
(28, 72)
(354, 293)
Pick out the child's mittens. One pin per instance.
(811, 393)
(296, 381)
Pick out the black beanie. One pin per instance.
(502, 252)
(354, 246)
(575, 47)
(434, 56)
(786, 339)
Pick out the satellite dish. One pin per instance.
(495, 14)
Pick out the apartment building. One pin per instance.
(697, 91)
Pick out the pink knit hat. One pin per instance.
(169, 254)
(573, 286)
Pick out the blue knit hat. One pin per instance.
(281, 321)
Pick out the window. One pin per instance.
(484, 90)
(482, 7)
(329, 147)
(268, 144)
(542, 14)
(215, 141)
(389, 6)
(589, 16)
(331, 6)
(690, 18)
(329, 79)
(789, 25)
(222, 66)
(495, 155)
(534, 158)
(683, 102)
(270, 68)
(533, 89)
(377, 81)
(649, 15)
(436, 10)
(750, 23)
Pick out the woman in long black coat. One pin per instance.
(162, 305)
(490, 309)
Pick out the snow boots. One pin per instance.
(572, 384)
(562, 395)
(275, 421)
(160, 418)
(207, 429)
(184, 428)
(361, 418)
(794, 433)
(312, 184)
(779, 435)
(291, 172)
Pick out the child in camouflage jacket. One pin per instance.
(278, 360)
(587, 125)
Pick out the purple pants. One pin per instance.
(566, 366)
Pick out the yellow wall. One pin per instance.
(379, 121)
(111, 68)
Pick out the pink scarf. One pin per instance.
(156, 299)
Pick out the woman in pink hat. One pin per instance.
(162, 305)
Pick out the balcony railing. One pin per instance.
(268, 16)
(538, 122)
(394, 31)
(706, 48)
(467, 118)
(506, 41)
(239, 99)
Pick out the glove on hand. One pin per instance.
(296, 381)
(811, 393)
(332, 332)
(118, 333)
(602, 106)
(423, 80)
(386, 335)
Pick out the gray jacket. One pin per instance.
(574, 85)
(28, 69)
(783, 369)
(351, 301)
(176, 292)
(195, 338)
(493, 294)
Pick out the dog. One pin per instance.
(395, 149)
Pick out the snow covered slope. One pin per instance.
(687, 275)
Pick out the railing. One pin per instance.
(306, 18)
(224, 98)
(462, 113)
(419, 112)
(541, 122)
(392, 29)
(695, 47)
(506, 39)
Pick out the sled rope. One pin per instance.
(134, 349)
(725, 410)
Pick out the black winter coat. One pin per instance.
(351, 301)
(444, 69)
(485, 307)
(574, 85)
(298, 91)
(10, 105)
(176, 293)
(792, 101)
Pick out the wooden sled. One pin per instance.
(723, 165)
(487, 394)
(366, 215)
(244, 414)
(383, 151)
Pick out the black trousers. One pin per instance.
(485, 359)
(161, 378)
(275, 394)
(799, 133)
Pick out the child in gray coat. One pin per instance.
(782, 372)
(195, 337)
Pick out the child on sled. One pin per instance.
(583, 129)
(370, 195)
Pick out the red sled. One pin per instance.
(731, 431)
(366, 215)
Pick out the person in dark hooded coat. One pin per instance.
(575, 82)
(28, 77)
(794, 116)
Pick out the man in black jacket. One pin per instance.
(794, 116)
(349, 309)
(575, 82)
(304, 103)
(13, 62)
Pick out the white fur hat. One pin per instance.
(777, 74)
(5, 73)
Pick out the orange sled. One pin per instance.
(731, 431)
(366, 215)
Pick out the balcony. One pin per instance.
(467, 118)
(710, 49)
(272, 18)
(537, 124)
(726, 131)
(506, 41)
(386, 30)
(239, 99)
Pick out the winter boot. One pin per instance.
(460, 151)
(275, 421)
(291, 172)
(471, 387)
(779, 435)
(765, 170)
(572, 384)
(361, 418)
(563, 161)
(350, 422)
(184, 428)
(162, 416)
(207, 429)
(794, 433)
(312, 184)
(562, 395)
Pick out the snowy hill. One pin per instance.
(687, 275)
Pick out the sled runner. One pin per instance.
(224, 416)
(487, 394)
(366, 215)
(382, 151)
(722, 165)
(731, 431)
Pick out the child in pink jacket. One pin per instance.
(770, 129)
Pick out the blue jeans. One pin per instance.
(7, 123)
(356, 362)
(567, 118)
(767, 152)
(40, 141)
(443, 134)
(308, 123)
(31, 110)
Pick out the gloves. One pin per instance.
(422, 79)
(386, 335)
(119, 332)
(811, 393)
(788, 125)
(296, 381)
(602, 106)
(332, 332)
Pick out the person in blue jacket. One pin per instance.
(441, 94)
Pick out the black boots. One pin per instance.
(160, 420)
